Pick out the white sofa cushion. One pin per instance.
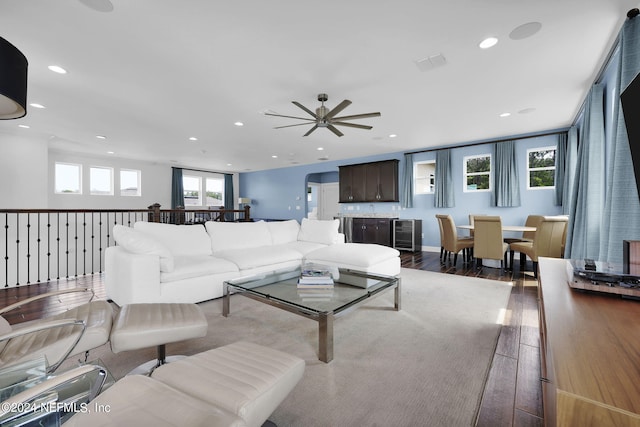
(226, 236)
(283, 231)
(140, 243)
(187, 267)
(317, 231)
(248, 258)
(182, 240)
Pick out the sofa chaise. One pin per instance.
(154, 262)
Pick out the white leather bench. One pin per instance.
(240, 384)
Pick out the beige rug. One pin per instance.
(423, 366)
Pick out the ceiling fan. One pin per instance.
(325, 118)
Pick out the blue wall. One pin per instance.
(281, 193)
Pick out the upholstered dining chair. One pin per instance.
(548, 242)
(488, 241)
(75, 331)
(527, 236)
(450, 240)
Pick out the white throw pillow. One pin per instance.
(237, 235)
(138, 242)
(283, 231)
(182, 240)
(317, 231)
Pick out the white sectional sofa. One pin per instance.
(155, 262)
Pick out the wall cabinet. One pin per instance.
(371, 230)
(369, 182)
(407, 234)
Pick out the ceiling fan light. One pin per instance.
(13, 82)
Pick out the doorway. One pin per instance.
(322, 196)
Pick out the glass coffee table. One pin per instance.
(279, 289)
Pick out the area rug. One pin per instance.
(425, 365)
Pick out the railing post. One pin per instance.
(154, 212)
(247, 216)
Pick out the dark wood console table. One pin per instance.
(590, 353)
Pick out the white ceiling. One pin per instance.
(151, 73)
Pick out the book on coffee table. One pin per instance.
(315, 278)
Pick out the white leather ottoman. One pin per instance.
(138, 326)
(365, 257)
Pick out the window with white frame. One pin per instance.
(130, 182)
(214, 192)
(541, 168)
(100, 181)
(477, 173)
(192, 187)
(68, 178)
(424, 177)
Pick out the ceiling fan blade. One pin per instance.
(305, 109)
(357, 116)
(288, 126)
(352, 125)
(334, 130)
(311, 130)
(344, 104)
(289, 117)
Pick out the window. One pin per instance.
(424, 177)
(541, 168)
(68, 179)
(192, 186)
(130, 182)
(215, 192)
(101, 181)
(477, 173)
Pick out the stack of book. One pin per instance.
(315, 279)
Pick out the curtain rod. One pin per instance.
(559, 132)
(200, 170)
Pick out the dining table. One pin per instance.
(514, 228)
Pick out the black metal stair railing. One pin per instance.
(43, 245)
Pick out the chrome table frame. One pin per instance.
(325, 319)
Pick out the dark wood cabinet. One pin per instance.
(369, 182)
(371, 230)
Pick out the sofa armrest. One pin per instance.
(131, 278)
(341, 238)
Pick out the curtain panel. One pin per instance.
(585, 216)
(177, 189)
(621, 218)
(406, 197)
(506, 185)
(570, 161)
(228, 196)
(558, 179)
(444, 196)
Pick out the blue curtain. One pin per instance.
(621, 218)
(228, 196)
(444, 196)
(506, 185)
(561, 154)
(406, 197)
(570, 161)
(585, 216)
(177, 188)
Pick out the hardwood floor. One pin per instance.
(512, 396)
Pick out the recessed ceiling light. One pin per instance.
(488, 42)
(24, 126)
(320, 148)
(57, 69)
(505, 114)
(274, 157)
(110, 152)
(239, 124)
(393, 135)
(34, 105)
(229, 164)
(101, 137)
(193, 138)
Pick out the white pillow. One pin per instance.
(317, 231)
(237, 235)
(182, 240)
(140, 243)
(283, 231)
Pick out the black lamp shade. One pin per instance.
(13, 82)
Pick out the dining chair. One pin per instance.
(488, 240)
(527, 236)
(450, 240)
(548, 242)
